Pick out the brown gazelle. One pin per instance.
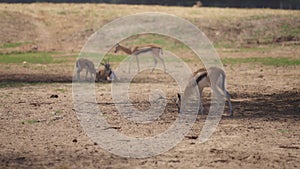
(209, 78)
(86, 64)
(103, 74)
(155, 50)
(106, 74)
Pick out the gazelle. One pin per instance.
(137, 50)
(87, 65)
(209, 78)
(106, 73)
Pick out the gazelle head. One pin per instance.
(106, 66)
(117, 48)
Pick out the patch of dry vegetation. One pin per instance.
(66, 27)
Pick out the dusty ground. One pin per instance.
(40, 131)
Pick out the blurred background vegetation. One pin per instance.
(277, 4)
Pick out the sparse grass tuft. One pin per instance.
(61, 90)
(35, 57)
(17, 84)
(269, 61)
(62, 13)
(287, 30)
(30, 57)
(11, 84)
(115, 58)
(283, 131)
(59, 111)
(11, 45)
(63, 58)
(30, 121)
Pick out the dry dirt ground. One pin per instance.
(40, 131)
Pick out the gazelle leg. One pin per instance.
(229, 102)
(78, 74)
(155, 63)
(201, 108)
(86, 74)
(201, 103)
(92, 76)
(130, 61)
(219, 95)
(138, 62)
(163, 62)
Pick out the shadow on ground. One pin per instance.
(277, 105)
(39, 78)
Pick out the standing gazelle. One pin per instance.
(209, 78)
(137, 50)
(86, 64)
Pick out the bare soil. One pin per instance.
(38, 131)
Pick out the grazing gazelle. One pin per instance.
(137, 50)
(87, 65)
(209, 78)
